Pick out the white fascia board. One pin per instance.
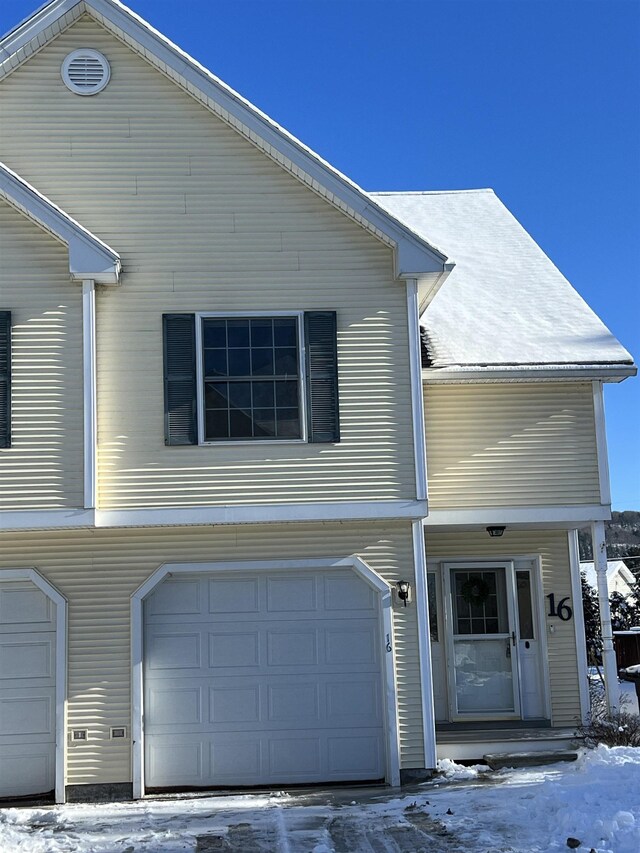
(267, 514)
(209, 515)
(552, 516)
(30, 28)
(414, 257)
(89, 257)
(46, 519)
(527, 373)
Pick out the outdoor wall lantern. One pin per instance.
(496, 530)
(404, 591)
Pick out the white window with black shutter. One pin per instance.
(235, 378)
(5, 379)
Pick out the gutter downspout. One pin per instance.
(89, 391)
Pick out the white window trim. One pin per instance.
(302, 396)
(386, 640)
(61, 666)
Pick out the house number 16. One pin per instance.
(562, 610)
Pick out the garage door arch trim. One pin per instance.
(58, 599)
(365, 572)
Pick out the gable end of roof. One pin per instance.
(414, 255)
(89, 257)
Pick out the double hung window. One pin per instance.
(251, 377)
(255, 377)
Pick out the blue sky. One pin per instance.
(539, 100)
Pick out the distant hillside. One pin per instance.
(623, 539)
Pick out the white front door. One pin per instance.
(483, 654)
(27, 690)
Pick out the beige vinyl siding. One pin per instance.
(43, 468)
(205, 222)
(553, 549)
(509, 445)
(98, 570)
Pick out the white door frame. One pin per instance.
(386, 644)
(61, 665)
(480, 565)
(539, 618)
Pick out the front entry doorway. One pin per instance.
(494, 669)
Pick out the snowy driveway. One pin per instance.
(596, 800)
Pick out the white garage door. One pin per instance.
(27, 690)
(259, 679)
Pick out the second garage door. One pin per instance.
(27, 690)
(262, 679)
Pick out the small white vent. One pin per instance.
(85, 72)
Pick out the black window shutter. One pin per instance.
(5, 379)
(179, 344)
(322, 376)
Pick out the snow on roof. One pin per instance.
(614, 568)
(505, 303)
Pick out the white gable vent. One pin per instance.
(85, 72)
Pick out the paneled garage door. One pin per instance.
(262, 679)
(27, 690)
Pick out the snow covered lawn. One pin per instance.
(595, 800)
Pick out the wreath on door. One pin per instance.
(475, 591)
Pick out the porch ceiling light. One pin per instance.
(496, 530)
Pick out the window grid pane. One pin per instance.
(486, 617)
(251, 378)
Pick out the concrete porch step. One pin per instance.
(498, 760)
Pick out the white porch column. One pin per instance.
(608, 654)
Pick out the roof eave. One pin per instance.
(414, 257)
(89, 257)
(613, 372)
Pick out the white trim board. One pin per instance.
(413, 256)
(501, 374)
(61, 666)
(424, 647)
(169, 569)
(46, 519)
(89, 257)
(417, 398)
(258, 514)
(601, 443)
(551, 516)
(77, 517)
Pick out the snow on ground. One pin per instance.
(629, 697)
(464, 810)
